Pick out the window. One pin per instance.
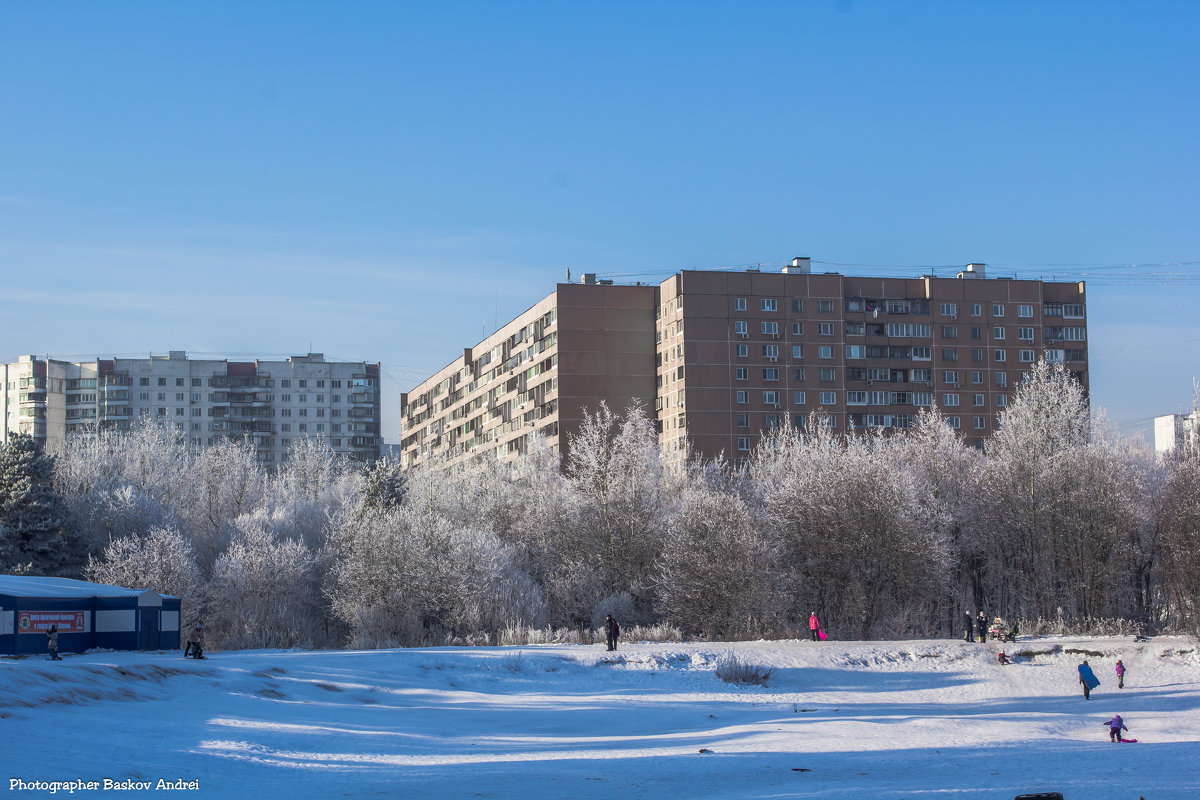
(1026, 356)
(742, 374)
(143, 395)
(320, 384)
(302, 383)
(771, 373)
(977, 355)
(741, 327)
(978, 423)
(922, 353)
(1074, 310)
(798, 306)
(1025, 334)
(825, 351)
(197, 411)
(743, 443)
(743, 397)
(179, 381)
(285, 427)
(303, 412)
(285, 383)
(303, 427)
(976, 377)
(997, 310)
(179, 397)
(797, 329)
(830, 420)
(768, 305)
(949, 354)
(179, 412)
(770, 329)
(999, 355)
(195, 397)
(798, 398)
(195, 381)
(1001, 400)
(950, 399)
(950, 310)
(743, 420)
(286, 398)
(798, 374)
(302, 398)
(1025, 311)
(162, 396)
(739, 304)
(771, 398)
(143, 381)
(950, 376)
(825, 329)
(976, 310)
(797, 351)
(770, 352)
(998, 333)
(856, 398)
(743, 350)
(856, 351)
(828, 398)
(828, 375)
(825, 306)
(162, 381)
(949, 331)
(1002, 379)
(954, 422)
(977, 399)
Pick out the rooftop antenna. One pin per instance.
(568, 274)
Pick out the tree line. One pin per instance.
(1058, 523)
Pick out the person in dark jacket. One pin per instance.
(613, 630)
(52, 643)
(981, 626)
(195, 645)
(1087, 679)
(969, 622)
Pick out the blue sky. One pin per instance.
(384, 181)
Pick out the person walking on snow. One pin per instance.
(814, 627)
(52, 643)
(1115, 726)
(613, 630)
(981, 625)
(1088, 679)
(1120, 674)
(970, 624)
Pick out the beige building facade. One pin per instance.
(271, 403)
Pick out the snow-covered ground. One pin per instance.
(836, 719)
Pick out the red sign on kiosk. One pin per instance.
(65, 621)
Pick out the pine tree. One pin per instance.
(31, 518)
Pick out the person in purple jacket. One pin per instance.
(1120, 674)
(1115, 726)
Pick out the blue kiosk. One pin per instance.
(87, 615)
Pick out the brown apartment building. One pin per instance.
(733, 355)
(581, 345)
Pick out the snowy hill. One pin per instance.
(835, 719)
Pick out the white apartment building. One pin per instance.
(272, 403)
(1175, 430)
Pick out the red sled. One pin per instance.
(1124, 741)
(821, 635)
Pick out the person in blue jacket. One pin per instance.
(1088, 680)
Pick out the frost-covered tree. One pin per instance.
(265, 593)
(403, 577)
(383, 485)
(161, 560)
(613, 471)
(717, 573)
(31, 515)
(221, 483)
